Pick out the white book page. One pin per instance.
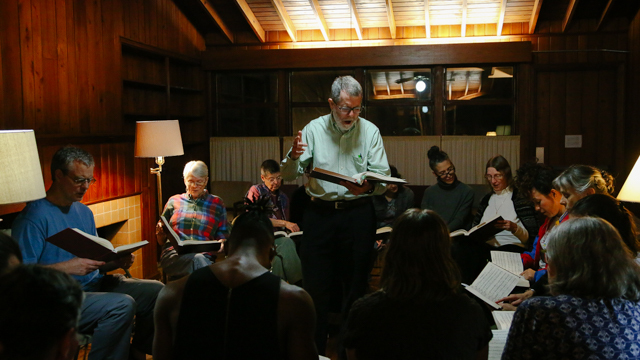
(503, 319)
(497, 343)
(507, 260)
(197, 242)
(130, 246)
(494, 282)
(482, 297)
(104, 242)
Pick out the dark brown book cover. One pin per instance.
(188, 246)
(92, 247)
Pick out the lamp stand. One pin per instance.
(158, 172)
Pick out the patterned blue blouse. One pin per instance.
(567, 327)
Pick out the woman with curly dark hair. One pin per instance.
(420, 307)
(236, 309)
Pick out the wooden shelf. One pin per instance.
(144, 85)
(184, 89)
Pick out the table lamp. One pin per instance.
(20, 172)
(158, 139)
(631, 189)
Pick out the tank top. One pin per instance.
(216, 322)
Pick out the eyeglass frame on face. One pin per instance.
(498, 177)
(198, 183)
(273, 179)
(445, 173)
(346, 110)
(82, 181)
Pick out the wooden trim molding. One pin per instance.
(410, 55)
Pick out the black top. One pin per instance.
(299, 201)
(216, 322)
(383, 328)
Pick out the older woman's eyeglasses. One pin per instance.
(445, 173)
(496, 176)
(196, 183)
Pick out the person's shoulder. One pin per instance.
(171, 294)
(293, 294)
(214, 199)
(34, 210)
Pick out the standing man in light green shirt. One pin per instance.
(339, 224)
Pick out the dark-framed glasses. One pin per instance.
(445, 173)
(345, 109)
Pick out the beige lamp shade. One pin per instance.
(20, 172)
(631, 189)
(158, 138)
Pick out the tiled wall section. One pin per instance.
(128, 210)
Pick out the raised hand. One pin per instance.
(298, 147)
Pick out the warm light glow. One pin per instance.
(491, 133)
(631, 189)
(158, 138)
(21, 175)
(420, 86)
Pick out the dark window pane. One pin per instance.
(247, 122)
(479, 119)
(401, 120)
(247, 88)
(303, 115)
(314, 86)
(479, 83)
(414, 84)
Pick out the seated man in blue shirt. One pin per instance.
(111, 301)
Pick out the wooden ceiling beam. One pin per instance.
(218, 20)
(322, 23)
(355, 18)
(286, 20)
(252, 20)
(427, 21)
(463, 25)
(537, 5)
(503, 10)
(392, 19)
(571, 10)
(604, 14)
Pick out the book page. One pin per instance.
(197, 242)
(131, 246)
(503, 319)
(170, 233)
(483, 298)
(494, 283)
(371, 176)
(497, 343)
(383, 230)
(459, 232)
(103, 242)
(509, 261)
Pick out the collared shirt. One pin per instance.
(278, 200)
(357, 150)
(204, 218)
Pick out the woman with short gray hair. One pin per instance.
(194, 215)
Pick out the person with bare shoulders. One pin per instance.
(236, 309)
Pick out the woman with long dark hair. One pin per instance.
(420, 308)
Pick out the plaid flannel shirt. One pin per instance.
(204, 218)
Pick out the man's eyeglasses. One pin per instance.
(445, 173)
(83, 181)
(345, 109)
(496, 176)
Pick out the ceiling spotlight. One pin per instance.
(421, 85)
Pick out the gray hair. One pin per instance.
(347, 84)
(584, 177)
(196, 168)
(64, 157)
(590, 260)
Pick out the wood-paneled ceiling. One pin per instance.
(229, 18)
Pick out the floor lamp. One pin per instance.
(158, 139)
(20, 172)
(631, 189)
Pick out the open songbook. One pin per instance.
(294, 235)
(358, 179)
(497, 343)
(503, 319)
(493, 284)
(511, 262)
(188, 246)
(88, 246)
(482, 232)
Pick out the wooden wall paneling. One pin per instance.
(557, 115)
(83, 60)
(574, 116)
(27, 58)
(36, 65)
(51, 100)
(542, 127)
(11, 107)
(557, 43)
(95, 69)
(72, 123)
(525, 112)
(62, 44)
(603, 131)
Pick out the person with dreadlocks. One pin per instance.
(236, 309)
